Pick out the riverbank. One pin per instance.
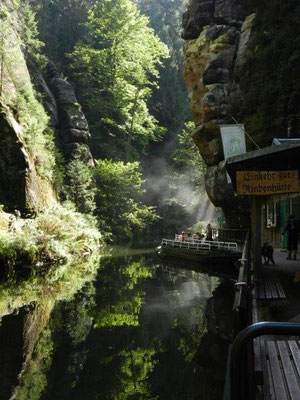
(57, 238)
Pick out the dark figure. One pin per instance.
(267, 253)
(292, 229)
(209, 232)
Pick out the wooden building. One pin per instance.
(271, 204)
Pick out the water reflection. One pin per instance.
(141, 330)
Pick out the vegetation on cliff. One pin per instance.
(58, 238)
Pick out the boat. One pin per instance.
(203, 251)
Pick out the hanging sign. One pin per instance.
(233, 140)
(261, 183)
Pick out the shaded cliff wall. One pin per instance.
(244, 65)
(21, 185)
(216, 34)
(66, 118)
(27, 155)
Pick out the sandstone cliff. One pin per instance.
(241, 61)
(216, 34)
(27, 159)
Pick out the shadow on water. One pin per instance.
(121, 251)
(140, 330)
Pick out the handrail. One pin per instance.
(211, 243)
(244, 275)
(241, 341)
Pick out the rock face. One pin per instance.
(67, 119)
(22, 184)
(216, 34)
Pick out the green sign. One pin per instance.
(221, 219)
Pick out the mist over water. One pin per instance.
(165, 186)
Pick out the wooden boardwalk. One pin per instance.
(276, 359)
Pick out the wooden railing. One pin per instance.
(242, 288)
(194, 244)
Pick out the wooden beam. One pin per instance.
(256, 232)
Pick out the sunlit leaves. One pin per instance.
(115, 65)
(118, 197)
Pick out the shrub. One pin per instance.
(58, 237)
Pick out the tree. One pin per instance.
(188, 161)
(169, 101)
(118, 198)
(115, 67)
(61, 25)
(80, 187)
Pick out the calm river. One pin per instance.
(139, 329)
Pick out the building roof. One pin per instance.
(280, 141)
(272, 158)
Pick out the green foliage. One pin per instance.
(34, 379)
(118, 198)
(80, 188)
(61, 25)
(38, 138)
(115, 67)
(127, 302)
(57, 238)
(189, 165)
(28, 30)
(20, 101)
(169, 102)
(187, 154)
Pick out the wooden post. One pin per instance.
(256, 232)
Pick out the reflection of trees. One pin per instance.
(212, 353)
(37, 349)
(70, 324)
(121, 354)
(121, 304)
(40, 297)
(140, 332)
(183, 308)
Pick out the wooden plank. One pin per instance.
(279, 287)
(266, 383)
(268, 289)
(261, 290)
(256, 349)
(288, 370)
(258, 370)
(294, 348)
(273, 289)
(276, 372)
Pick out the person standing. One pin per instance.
(182, 236)
(209, 233)
(292, 229)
